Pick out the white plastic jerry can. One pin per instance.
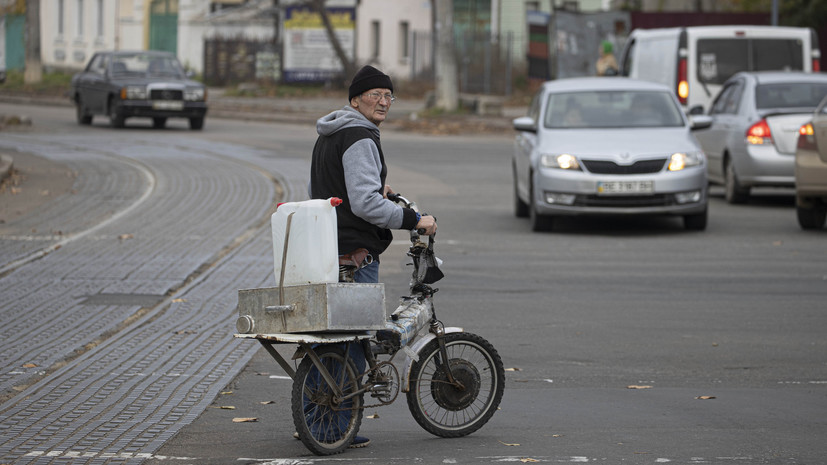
(309, 230)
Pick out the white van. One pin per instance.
(695, 61)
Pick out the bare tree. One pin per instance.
(447, 85)
(34, 67)
(347, 64)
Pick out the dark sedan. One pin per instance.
(148, 84)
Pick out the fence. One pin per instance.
(232, 61)
(484, 61)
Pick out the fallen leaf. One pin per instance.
(267, 402)
(507, 444)
(512, 369)
(16, 190)
(635, 386)
(557, 435)
(29, 365)
(373, 417)
(224, 393)
(44, 193)
(124, 237)
(245, 420)
(179, 300)
(227, 407)
(529, 460)
(705, 397)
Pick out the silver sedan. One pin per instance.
(608, 146)
(811, 171)
(755, 123)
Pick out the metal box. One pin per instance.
(311, 308)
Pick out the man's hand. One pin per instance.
(428, 223)
(387, 191)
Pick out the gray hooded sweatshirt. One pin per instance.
(348, 163)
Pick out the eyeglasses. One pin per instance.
(378, 96)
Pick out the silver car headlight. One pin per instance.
(563, 161)
(682, 160)
(134, 93)
(195, 94)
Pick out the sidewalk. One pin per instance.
(405, 113)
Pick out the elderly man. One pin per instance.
(348, 163)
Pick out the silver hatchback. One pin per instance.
(755, 122)
(608, 146)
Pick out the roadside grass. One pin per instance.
(53, 83)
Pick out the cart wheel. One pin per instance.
(445, 410)
(326, 425)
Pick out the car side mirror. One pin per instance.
(525, 123)
(697, 122)
(696, 110)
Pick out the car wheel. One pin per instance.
(520, 207)
(733, 191)
(695, 222)
(83, 117)
(196, 123)
(812, 217)
(539, 222)
(159, 123)
(116, 117)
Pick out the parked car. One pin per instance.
(149, 84)
(608, 146)
(811, 170)
(755, 123)
(695, 61)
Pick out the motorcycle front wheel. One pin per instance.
(326, 424)
(448, 410)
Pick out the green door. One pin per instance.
(15, 52)
(163, 25)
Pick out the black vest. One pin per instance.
(327, 179)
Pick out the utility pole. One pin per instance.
(447, 87)
(34, 67)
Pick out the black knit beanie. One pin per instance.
(366, 79)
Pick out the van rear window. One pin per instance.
(719, 59)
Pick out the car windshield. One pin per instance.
(145, 65)
(790, 95)
(612, 109)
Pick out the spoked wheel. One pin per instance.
(450, 411)
(326, 424)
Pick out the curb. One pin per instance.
(6, 164)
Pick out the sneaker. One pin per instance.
(359, 442)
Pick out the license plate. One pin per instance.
(625, 187)
(168, 105)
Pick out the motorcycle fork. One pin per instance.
(439, 332)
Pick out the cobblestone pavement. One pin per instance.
(117, 301)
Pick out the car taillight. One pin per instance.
(682, 84)
(759, 133)
(816, 65)
(806, 137)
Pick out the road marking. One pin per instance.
(104, 455)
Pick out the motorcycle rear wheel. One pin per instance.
(326, 425)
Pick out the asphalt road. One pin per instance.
(720, 334)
